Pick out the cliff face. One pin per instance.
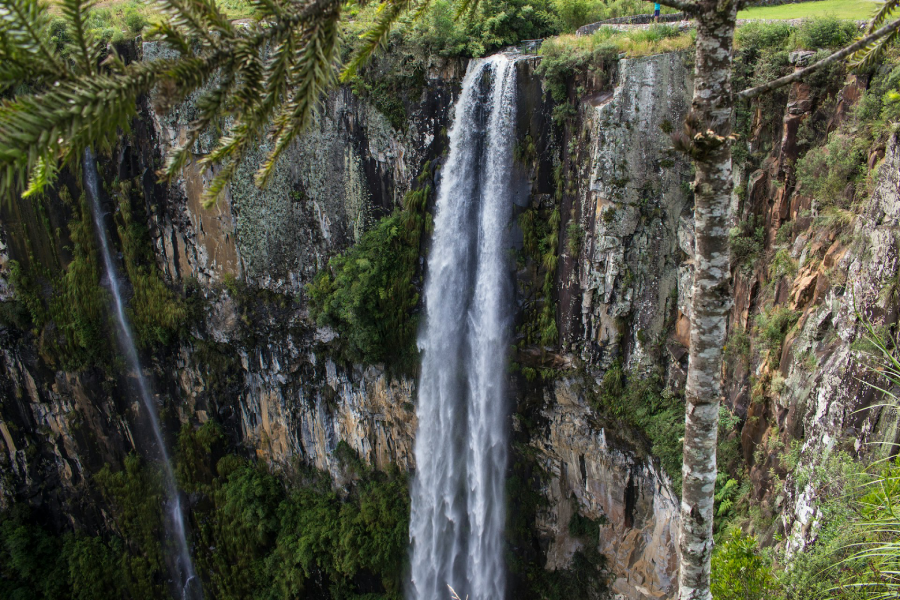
(812, 395)
(250, 357)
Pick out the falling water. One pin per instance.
(458, 511)
(185, 576)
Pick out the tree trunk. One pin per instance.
(708, 128)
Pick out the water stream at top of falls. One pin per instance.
(458, 512)
(173, 517)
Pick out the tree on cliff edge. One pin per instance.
(707, 138)
(266, 78)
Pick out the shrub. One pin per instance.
(758, 36)
(739, 571)
(827, 172)
(773, 324)
(135, 20)
(746, 241)
(641, 401)
(368, 293)
(825, 32)
(574, 237)
(493, 25)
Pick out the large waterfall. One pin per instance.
(458, 499)
(186, 579)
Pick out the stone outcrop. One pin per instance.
(595, 471)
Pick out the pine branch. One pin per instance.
(27, 22)
(388, 13)
(888, 29)
(84, 42)
(316, 74)
(886, 10)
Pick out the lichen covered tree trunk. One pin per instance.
(708, 130)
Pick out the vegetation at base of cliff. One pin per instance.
(369, 293)
(852, 553)
(66, 310)
(641, 401)
(157, 314)
(36, 564)
(739, 572)
(256, 534)
(262, 535)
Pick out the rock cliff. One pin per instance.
(250, 357)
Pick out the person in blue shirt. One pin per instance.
(656, 8)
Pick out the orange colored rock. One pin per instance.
(683, 330)
(804, 288)
(834, 255)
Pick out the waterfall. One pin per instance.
(458, 512)
(183, 567)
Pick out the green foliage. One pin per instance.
(368, 293)
(829, 172)
(640, 401)
(493, 25)
(738, 344)
(157, 314)
(136, 497)
(773, 325)
(540, 247)
(782, 265)
(195, 447)
(574, 237)
(29, 565)
(824, 32)
(94, 569)
(583, 527)
(388, 84)
(739, 571)
(572, 14)
(265, 536)
(756, 36)
(747, 243)
(91, 99)
(67, 310)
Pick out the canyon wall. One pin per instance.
(252, 359)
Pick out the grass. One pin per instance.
(857, 10)
(634, 43)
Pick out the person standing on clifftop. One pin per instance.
(656, 8)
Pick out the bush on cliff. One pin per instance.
(369, 294)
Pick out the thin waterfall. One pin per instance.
(458, 512)
(173, 516)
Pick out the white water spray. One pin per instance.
(458, 514)
(186, 578)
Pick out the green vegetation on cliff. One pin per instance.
(66, 307)
(64, 304)
(641, 401)
(369, 293)
(157, 313)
